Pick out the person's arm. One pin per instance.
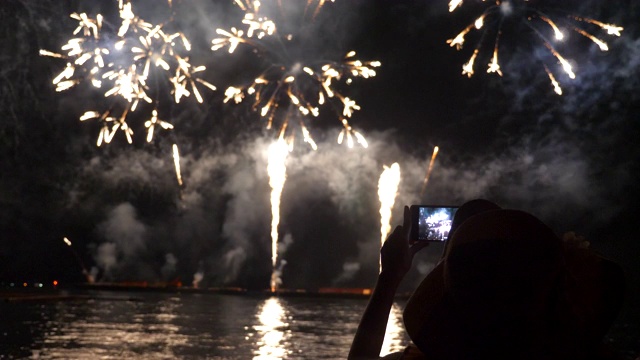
(396, 257)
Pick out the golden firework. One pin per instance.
(543, 25)
(287, 83)
(140, 51)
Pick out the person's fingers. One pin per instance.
(397, 231)
(406, 224)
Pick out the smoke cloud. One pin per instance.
(169, 267)
(124, 235)
(221, 221)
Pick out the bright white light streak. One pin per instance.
(387, 191)
(176, 163)
(277, 171)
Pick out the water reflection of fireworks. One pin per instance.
(543, 24)
(290, 82)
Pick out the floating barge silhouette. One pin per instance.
(177, 287)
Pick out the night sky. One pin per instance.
(572, 160)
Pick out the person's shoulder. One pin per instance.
(394, 356)
(411, 352)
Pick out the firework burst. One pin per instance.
(548, 29)
(122, 60)
(292, 82)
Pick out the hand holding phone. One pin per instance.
(431, 222)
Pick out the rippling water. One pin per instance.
(117, 325)
(168, 326)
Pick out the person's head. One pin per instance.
(471, 208)
(467, 210)
(496, 292)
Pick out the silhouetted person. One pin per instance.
(506, 288)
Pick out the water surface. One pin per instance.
(187, 326)
(149, 325)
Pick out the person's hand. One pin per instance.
(397, 252)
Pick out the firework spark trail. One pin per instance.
(554, 82)
(277, 171)
(611, 29)
(153, 122)
(305, 86)
(176, 163)
(534, 19)
(125, 64)
(429, 169)
(387, 191)
(86, 273)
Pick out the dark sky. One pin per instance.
(571, 159)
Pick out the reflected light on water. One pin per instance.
(154, 326)
(139, 335)
(273, 331)
(393, 337)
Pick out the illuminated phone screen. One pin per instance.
(434, 222)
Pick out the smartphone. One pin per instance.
(431, 222)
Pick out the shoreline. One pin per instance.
(83, 292)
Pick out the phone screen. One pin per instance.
(434, 222)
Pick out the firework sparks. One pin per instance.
(554, 82)
(542, 25)
(350, 134)
(78, 53)
(292, 83)
(176, 163)
(436, 149)
(318, 5)
(86, 273)
(494, 66)
(277, 171)
(125, 59)
(467, 69)
(454, 4)
(601, 44)
(609, 28)
(387, 191)
(565, 64)
(153, 122)
(106, 134)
